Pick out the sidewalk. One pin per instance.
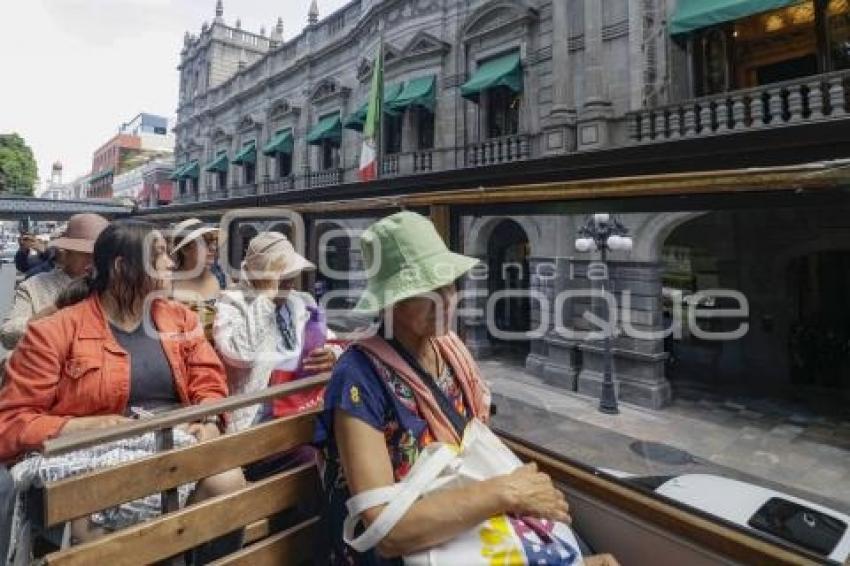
(808, 457)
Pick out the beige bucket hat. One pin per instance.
(267, 245)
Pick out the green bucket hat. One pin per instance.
(406, 257)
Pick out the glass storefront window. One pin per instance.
(839, 33)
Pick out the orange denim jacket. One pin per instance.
(70, 365)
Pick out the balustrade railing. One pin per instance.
(323, 178)
(808, 99)
(215, 194)
(498, 150)
(244, 190)
(423, 161)
(280, 185)
(390, 165)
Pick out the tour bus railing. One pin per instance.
(165, 422)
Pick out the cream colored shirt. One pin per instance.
(32, 296)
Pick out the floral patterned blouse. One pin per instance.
(367, 389)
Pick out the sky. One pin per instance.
(72, 71)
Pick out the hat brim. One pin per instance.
(299, 264)
(194, 235)
(428, 275)
(73, 245)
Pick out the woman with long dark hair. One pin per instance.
(118, 348)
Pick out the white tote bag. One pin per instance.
(502, 540)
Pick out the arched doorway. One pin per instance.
(792, 267)
(508, 251)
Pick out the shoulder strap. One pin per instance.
(457, 420)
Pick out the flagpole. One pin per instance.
(379, 135)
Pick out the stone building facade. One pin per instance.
(474, 83)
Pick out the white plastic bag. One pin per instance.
(504, 540)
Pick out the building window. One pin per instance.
(221, 180)
(715, 62)
(502, 112)
(330, 156)
(838, 14)
(424, 128)
(250, 170)
(392, 133)
(789, 43)
(284, 165)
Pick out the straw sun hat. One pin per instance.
(188, 231)
(406, 257)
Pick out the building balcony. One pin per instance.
(326, 178)
(187, 197)
(494, 151)
(810, 99)
(246, 190)
(410, 163)
(280, 185)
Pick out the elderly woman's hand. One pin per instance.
(320, 360)
(529, 492)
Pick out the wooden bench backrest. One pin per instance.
(183, 529)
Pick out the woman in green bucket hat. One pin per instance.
(413, 383)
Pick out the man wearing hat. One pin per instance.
(36, 296)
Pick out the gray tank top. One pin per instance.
(151, 380)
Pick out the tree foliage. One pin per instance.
(18, 170)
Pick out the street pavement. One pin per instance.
(809, 459)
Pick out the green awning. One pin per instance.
(329, 128)
(175, 175)
(691, 15)
(418, 92)
(218, 165)
(99, 176)
(503, 71)
(282, 142)
(191, 171)
(248, 154)
(391, 93)
(357, 120)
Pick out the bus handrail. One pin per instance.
(85, 439)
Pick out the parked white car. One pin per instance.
(794, 520)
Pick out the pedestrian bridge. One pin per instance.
(30, 208)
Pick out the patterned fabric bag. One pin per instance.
(503, 540)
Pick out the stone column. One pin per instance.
(593, 122)
(264, 172)
(547, 276)
(233, 170)
(638, 360)
(559, 127)
(204, 177)
(474, 326)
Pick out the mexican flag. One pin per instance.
(372, 127)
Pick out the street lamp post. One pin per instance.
(603, 232)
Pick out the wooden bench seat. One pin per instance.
(179, 530)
